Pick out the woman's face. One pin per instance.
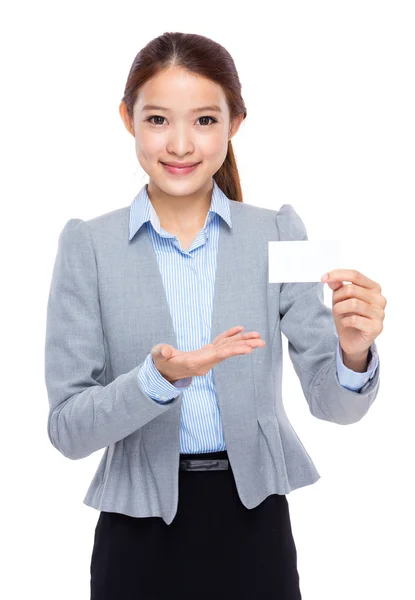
(179, 131)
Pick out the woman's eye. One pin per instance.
(211, 118)
(155, 117)
(159, 117)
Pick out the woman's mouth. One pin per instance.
(179, 170)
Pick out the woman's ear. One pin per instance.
(128, 122)
(235, 124)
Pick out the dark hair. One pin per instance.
(202, 56)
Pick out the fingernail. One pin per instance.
(325, 277)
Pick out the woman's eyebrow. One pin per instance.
(212, 107)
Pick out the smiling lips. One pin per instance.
(180, 168)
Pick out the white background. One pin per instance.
(329, 89)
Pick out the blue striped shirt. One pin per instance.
(189, 278)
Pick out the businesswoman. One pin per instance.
(163, 347)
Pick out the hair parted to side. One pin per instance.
(202, 56)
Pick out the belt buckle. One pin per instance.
(220, 464)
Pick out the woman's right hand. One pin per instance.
(174, 364)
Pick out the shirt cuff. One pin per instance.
(352, 380)
(156, 386)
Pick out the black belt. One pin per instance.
(218, 464)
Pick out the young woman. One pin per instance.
(163, 346)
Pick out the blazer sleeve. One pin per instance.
(309, 326)
(85, 413)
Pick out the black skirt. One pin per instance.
(215, 547)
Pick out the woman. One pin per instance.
(154, 351)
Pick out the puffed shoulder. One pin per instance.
(75, 247)
(75, 232)
(290, 225)
(69, 226)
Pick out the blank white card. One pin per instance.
(303, 261)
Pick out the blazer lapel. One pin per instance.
(234, 376)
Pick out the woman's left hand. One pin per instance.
(358, 309)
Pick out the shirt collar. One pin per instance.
(141, 210)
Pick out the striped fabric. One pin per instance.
(189, 277)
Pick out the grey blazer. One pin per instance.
(106, 310)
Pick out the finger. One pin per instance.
(228, 333)
(353, 306)
(351, 275)
(247, 344)
(336, 285)
(364, 324)
(246, 335)
(354, 291)
(159, 350)
(246, 347)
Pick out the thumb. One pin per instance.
(164, 351)
(334, 285)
